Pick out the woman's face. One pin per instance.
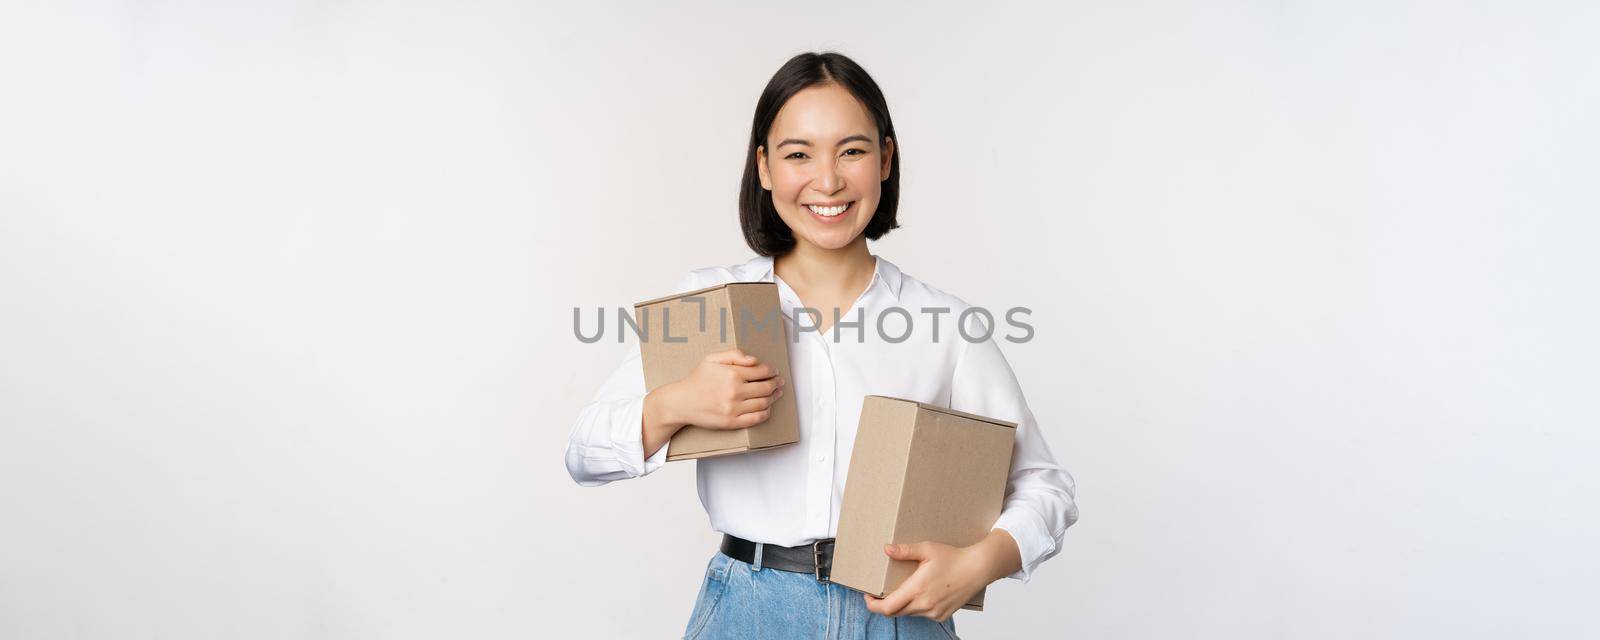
(824, 168)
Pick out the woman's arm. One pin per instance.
(659, 423)
(946, 577)
(1040, 498)
(623, 433)
(608, 440)
(1039, 501)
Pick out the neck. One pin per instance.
(810, 266)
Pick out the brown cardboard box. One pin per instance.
(677, 332)
(919, 472)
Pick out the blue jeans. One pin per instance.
(737, 601)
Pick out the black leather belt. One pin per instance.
(815, 558)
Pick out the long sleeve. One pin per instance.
(607, 441)
(1040, 495)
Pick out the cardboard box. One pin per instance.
(919, 472)
(677, 332)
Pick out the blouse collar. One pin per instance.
(759, 269)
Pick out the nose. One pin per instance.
(829, 182)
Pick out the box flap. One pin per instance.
(680, 295)
(698, 291)
(953, 412)
(718, 452)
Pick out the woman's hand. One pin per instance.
(727, 390)
(946, 577)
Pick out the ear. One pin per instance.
(761, 167)
(888, 158)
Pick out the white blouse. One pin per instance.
(790, 495)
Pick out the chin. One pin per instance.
(833, 241)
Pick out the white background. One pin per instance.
(286, 299)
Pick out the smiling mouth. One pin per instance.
(829, 212)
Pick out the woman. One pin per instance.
(821, 178)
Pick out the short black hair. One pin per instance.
(764, 231)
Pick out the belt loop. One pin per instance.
(760, 546)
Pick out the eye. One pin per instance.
(794, 155)
(857, 151)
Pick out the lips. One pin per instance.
(830, 210)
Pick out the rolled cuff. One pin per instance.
(627, 437)
(1034, 542)
(658, 458)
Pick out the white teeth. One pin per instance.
(829, 212)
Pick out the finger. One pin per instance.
(917, 607)
(759, 388)
(893, 603)
(755, 371)
(913, 551)
(875, 604)
(761, 403)
(747, 420)
(733, 357)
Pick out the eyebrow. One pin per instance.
(855, 138)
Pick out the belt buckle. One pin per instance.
(823, 574)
